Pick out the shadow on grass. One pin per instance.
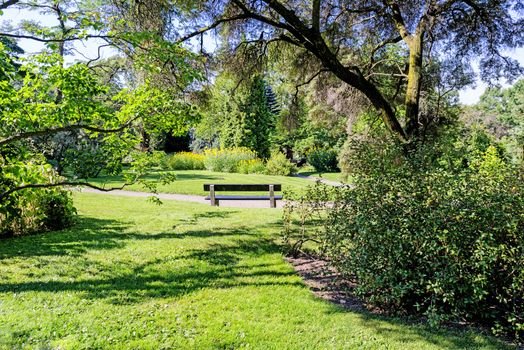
(206, 215)
(86, 234)
(209, 266)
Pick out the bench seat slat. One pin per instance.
(243, 187)
(253, 198)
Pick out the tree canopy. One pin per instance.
(353, 40)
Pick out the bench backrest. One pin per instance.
(243, 187)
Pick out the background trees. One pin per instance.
(352, 41)
(501, 113)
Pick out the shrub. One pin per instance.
(58, 210)
(34, 209)
(428, 234)
(227, 160)
(185, 161)
(278, 164)
(251, 166)
(323, 160)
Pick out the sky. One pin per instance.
(471, 95)
(89, 49)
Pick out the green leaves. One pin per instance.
(419, 237)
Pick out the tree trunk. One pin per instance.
(414, 84)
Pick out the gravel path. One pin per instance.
(186, 198)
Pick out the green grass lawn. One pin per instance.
(191, 181)
(134, 275)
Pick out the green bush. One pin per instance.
(278, 164)
(429, 233)
(184, 161)
(36, 210)
(58, 211)
(251, 166)
(323, 160)
(227, 160)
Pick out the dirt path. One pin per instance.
(186, 198)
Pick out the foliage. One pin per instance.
(184, 161)
(393, 53)
(304, 218)
(227, 160)
(252, 166)
(243, 113)
(61, 115)
(36, 209)
(437, 233)
(59, 211)
(278, 164)
(501, 113)
(323, 160)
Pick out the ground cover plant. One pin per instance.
(133, 274)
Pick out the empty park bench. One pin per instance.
(215, 199)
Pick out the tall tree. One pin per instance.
(349, 39)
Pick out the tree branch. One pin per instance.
(307, 82)
(60, 184)
(29, 134)
(55, 40)
(6, 4)
(212, 26)
(398, 20)
(315, 16)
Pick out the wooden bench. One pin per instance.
(215, 200)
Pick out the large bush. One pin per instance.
(323, 160)
(278, 164)
(438, 232)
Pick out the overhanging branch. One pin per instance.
(50, 131)
(56, 40)
(60, 184)
(212, 26)
(6, 4)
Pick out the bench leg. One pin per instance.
(272, 201)
(212, 195)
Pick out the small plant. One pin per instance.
(58, 210)
(278, 164)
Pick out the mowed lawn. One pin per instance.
(135, 275)
(192, 181)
